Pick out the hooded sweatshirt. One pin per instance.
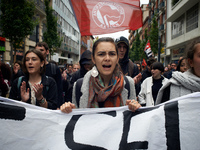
(85, 59)
(180, 84)
(124, 62)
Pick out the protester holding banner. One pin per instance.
(104, 85)
(151, 85)
(35, 88)
(183, 83)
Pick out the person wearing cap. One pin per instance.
(127, 66)
(85, 65)
(151, 85)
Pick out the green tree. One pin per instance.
(142, 46)
(16, 21)
(51, 36)
(136, 51)
(153, 36)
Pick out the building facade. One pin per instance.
(182, 25)
(158, 9)
(68, 29)
(30, 41)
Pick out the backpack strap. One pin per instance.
(19, 82)
(127, 85)
(78, 93)
(47, 87)
(53, 68)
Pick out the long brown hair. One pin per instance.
(39, 54)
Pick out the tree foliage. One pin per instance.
(142, 46)
(136, 54)
(16, 21)
(153, 36)
(51, 36)
(137, 51)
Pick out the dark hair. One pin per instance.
(151, 61)
(6, 71)
(18, 62)
(179, 64)
(191, 49)
(106, 39)
(44, 44)
(158, 65)
(40, 55)
(138, 63)
(103, 39)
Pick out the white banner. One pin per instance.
(173, 125)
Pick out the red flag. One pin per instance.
(148, 50)
(97, 17)
(144, 63)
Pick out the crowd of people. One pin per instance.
(104, 77)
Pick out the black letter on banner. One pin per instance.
(69, 137)
(172, 125)
(127, 120)
(12, 112)
(133, 145)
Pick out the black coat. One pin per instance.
(49, 91)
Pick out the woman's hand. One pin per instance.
(38, 88)
(67, 107)
(24, 93)
(133, 105)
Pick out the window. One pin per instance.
(178, 27)
(174, 2)
(163, 18)
(192, 18)
(58, 3)
(67, 11)
(63, 6)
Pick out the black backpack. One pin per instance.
(79, 83)
(53, 68)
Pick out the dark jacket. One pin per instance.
(50, 93)
(53, 71)
(145, 74)
(127, 66)
(4, 87)
(85, 57)
(17, 75)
